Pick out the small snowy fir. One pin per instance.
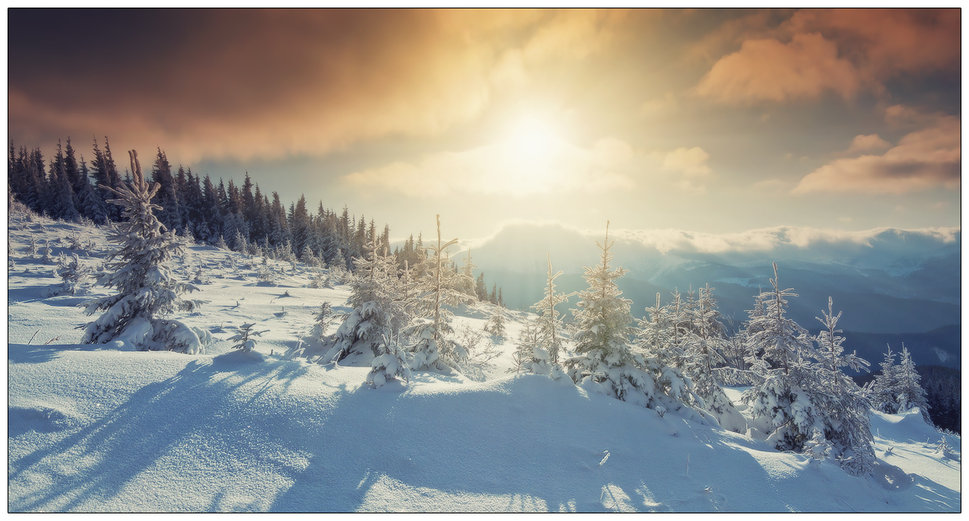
(139, 270)
(243, 339)
(72, 274)
(496, 325)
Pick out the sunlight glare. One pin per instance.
(531, 152)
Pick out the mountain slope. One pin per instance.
(101, 428)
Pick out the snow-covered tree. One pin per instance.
(525, 346)
(604, 360)
(800, 399)
(389, 365)
(842, 404)
(908, 388)
(467, 282)
(661, 333)
(496, 324)
(243, 339)
(320, 279)
(72, 273)
(881, 390)
(138, 270)
(308, 257)
(702, 342)
(548, 322)
(779, 401)
(379, 311)
(431, 335)
(322, 320)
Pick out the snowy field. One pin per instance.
(101, 428)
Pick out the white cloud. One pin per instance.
(766, 239)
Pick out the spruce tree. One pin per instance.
(138, 270)
(703, 341)
(777, 400)
(496, 324)
(430, 331)
(841, 404)
(604, 360)
(378, 313)
(908, 389)
(803, 401)
(549, 322)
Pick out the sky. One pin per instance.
(709, 120)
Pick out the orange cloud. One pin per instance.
(768, 70)
(924, 159)
(815, 51)
(867, 143)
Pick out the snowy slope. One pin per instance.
(94, 428)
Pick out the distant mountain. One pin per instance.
(888, 282)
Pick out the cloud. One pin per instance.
(772, 238)
(819, 51)
(924, 159)
(213, 84)
(505, 169)
(887, 42)
(691, 163)
(769, 70)
(772, 185)
(867, 143)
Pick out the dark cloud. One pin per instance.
(262, 81)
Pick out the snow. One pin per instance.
(97, 428)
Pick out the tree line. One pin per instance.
(241, 218)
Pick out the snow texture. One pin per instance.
(97, 428)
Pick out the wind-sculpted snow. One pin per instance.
(93, 428)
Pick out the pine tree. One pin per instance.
(908, 389)
(72, 274)
(777, 401)
(881, 391)
(496, 324)
(802, 402)
(523, 355)
(604, 361)
(480, 290)
(321, 321)
(378, 313)
(243, 339)
(548, 322)
(430, 332)
(467, 282)
(138, 269)
(841, 404)
(702, 343)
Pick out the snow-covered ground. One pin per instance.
(94, 428)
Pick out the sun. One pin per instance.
(530, 155)
(531, 138)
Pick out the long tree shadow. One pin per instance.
(31, 354)
(489, 445)
(109, 453)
